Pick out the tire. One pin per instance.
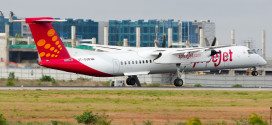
(178, 82)
(254, 73)
(130, 81)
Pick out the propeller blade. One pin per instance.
(214, 41)
(207, 42)
(157, 43)
(164, 41)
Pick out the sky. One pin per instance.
(247, 17)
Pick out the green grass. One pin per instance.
(54, 104)
(197, 85)
(154, 85)
(237, 86)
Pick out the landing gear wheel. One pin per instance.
(178, 82)
(130, 81)
(254, 73)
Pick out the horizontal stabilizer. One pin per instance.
(39, 19)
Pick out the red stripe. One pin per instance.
(73, 66)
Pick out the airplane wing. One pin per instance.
(186, 51)
(183, 55)
(178, 51)
(107, 48)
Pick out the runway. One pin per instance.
(128, 88)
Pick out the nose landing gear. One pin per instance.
(178, 82)
(254, 72)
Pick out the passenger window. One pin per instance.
(121, 63)
(125, 63)
(132, 62)
(136, 62)
(128, 62)
(140, 62)
(143, 61)
(150, 61)
(146, 61)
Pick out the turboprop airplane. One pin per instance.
(133, 61)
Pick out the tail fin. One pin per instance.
(48, 43)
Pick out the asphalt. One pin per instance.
(127, 88)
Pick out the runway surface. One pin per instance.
(127, 88)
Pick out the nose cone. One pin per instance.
(261, 61)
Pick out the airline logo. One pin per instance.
(50, 48)
(218, 58)
(188, 56)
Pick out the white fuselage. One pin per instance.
(142, 62)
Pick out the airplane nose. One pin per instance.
(262, 61)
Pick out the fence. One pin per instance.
(229, 81)
(189, 79)
(36, 73)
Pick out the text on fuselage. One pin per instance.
(188, 56)
(218, 58)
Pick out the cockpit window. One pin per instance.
(250, 51)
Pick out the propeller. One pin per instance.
(214, 41)
(208, 43)
(213, 52)
(157, 43)
(164, 41)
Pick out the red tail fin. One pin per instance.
(46, 39)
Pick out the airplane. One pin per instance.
(111, 61)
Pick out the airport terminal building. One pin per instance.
(118, 30)
(178, 31)
(14, 27)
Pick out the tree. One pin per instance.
(18, 36)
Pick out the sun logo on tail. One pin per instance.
(51, 48)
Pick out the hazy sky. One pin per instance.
(247, 17)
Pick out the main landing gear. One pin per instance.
(178, 82)
(133, 80)
(254, 72)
